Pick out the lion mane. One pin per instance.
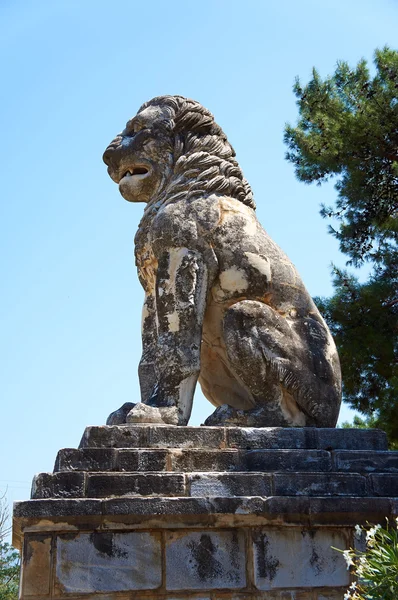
(204, 160)
(223, 304)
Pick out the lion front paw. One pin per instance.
(226, 415)
(118, 417)
(142, 413)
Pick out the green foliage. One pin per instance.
(9, 558)
(358, 423)
(375, 568)
(363, 319)
(348, 129)
(9, 572)
(371, 422)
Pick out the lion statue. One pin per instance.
(223, 304)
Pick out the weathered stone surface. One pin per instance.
(37, 565)
(157, 507)
(223, 304)
(351, 439)
(352, 509)
(143, 413)
(130, 436)
(142, 460)
(54, 508)
(287, 509)
(221, 484)
(118, 417)
(207, 481)
(187, 437)
(205, 560)
(300, 558)
(269, 595)
(384, 485)
(108, 562)
(250, 595)
(194, 460)
(251, 438)
(86, 459)
(347, 510)
(319, 484)
(205, 460)
(285, 460)
(331, 594)
(305, 438)
(366, 462)
(139, 484)
(192, 594)
(58, 485)
(115, 437)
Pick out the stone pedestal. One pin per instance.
(145, 512)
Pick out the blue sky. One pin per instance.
(73, 72)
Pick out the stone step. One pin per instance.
(167, 513)
(80, 484)
(149, 436)
(192, 460)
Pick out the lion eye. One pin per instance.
(133, 127)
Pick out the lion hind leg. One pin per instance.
(273, 362)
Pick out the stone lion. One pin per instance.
(223, 303)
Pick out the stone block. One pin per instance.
(86, 459)
(394, 507)
(238, 505)
(288, 460)
(149, 507)
(193, 596)
(331, 594)
(108, 562)
(291, 510)
(205, 460)
(36, 568)
(115, 436)
(137, 484)
(205, 560)
(229, 484)
(350, 509)
(272, 438)
(58, 485)
(287, 509)
(270, 595)
(384, 484)
(187, 437)
(307, 594)
(351, 439)
(142, 460)
(319, 484)
(296, 557)
(362, 461)
(57, 507)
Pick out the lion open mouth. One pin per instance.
(139, 171)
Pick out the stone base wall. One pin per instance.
(211, 513)
(235, 563)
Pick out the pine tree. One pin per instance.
(348, 130)
(9, 558)
(9, 572)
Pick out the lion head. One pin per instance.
(173, 148)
